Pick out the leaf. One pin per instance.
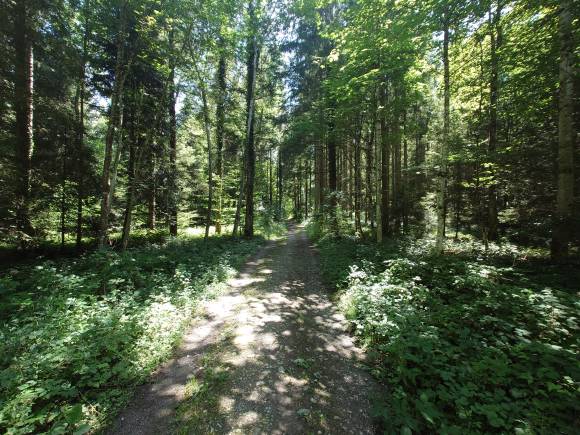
(74, 414)
(82, 429)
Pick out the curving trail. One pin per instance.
(288, 364)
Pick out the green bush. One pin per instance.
(76, 337)
(461, 345)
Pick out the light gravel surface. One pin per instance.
(293, 368)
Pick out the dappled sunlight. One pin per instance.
(292, 364)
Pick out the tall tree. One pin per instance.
(563, 222)
(253, 53)
(219, 136)
(442, 172)
(114, 122)
(495, 44)
(23, 108)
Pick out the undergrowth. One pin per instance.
(462, 343)
(77, 335)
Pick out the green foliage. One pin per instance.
(76, 336)
(461, 345)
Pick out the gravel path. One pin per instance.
(291, 366)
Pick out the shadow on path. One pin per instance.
(291, 366)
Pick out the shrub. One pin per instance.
(461, 346)
(77, 336)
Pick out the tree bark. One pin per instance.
(442, 175)
(81, 128)
(332, 178)
(172, 145)
(252, 66)
(152, 196)
(220, 125)
(495, 42)
(206, 124)
(23, 108)
(130, 188)
(563, 220)
(113, 125)
(385, 159)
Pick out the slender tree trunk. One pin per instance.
(23, 108)
(240, 200)
(564, 216)
(495, 42)
(252, 67)
(81, 128)
(220, 124)
(63, 176)
(113, 125)
(396, 138)
(270, 179)
(442, 175)
(379, 189)
(332, 177)
(152, 196)
(206, 124)
(280, 192)
(172, 145)
(358, 178)
(130, 188)
(405, 178)
(385, 160)
(369, 171)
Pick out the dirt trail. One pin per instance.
(290, 366)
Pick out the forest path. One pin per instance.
(271, 356)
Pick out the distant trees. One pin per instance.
(458, 101)
(145, 88)
(398, 117)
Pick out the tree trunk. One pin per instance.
(112, 127)
(270, 180)
(172, 212)
(206, 124)
(252, 66)
(130, 188)
(396, 138)
(442, 175)
(495, 42)
(81, 128)
(220, 124)
(152, 196)
(63, 175)
(563, 220)
(405, 178)
(23, 108)
(240, 197)
(332, 178)
(358, 178)
(369, 171)
(385, 159)
(279, 190)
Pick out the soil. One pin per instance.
(290, 365)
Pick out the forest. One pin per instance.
(413, 164)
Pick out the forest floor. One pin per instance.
(271, 355)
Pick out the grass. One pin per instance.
(78, 334)
(466, 343)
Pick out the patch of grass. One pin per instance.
(77, 335)
(464, 343)
(200, 412)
